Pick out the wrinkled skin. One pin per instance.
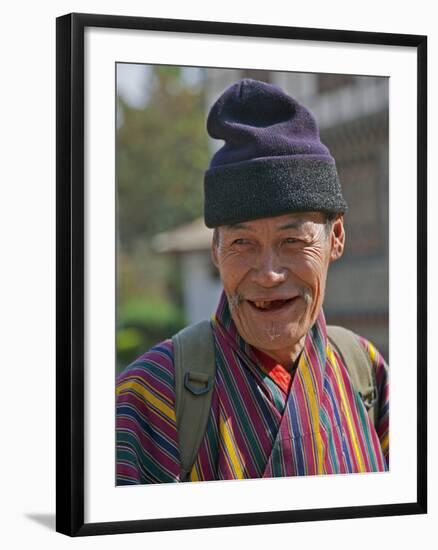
(265, 261)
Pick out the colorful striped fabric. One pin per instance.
(260, 425)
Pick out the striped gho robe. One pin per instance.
(262, 422)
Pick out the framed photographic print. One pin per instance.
(181, 148)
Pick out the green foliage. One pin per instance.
(143, 323)
(148, 312)
(162, 153)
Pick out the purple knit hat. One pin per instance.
(272, 162)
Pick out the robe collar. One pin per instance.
(311, 363)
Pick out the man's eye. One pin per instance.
(291, 240)
(240, 241)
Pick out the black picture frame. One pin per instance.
(70, 272)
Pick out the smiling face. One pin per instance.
(274, 273)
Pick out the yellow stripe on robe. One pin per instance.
(148, 396)
(312, 399)
(346, 409)
(384, 443)
(194, 474)
(372, 352)
(231, 450)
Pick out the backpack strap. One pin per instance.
(359, 367)
(195, 368)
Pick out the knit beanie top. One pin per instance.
(272, 161)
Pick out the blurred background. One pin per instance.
(165, 278)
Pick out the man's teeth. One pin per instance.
(262, 305)
(270, 304)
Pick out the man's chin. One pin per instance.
(274, 337)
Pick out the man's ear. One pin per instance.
(213, 253)
(337, 238)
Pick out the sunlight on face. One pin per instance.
(274, 273)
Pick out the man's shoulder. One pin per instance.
(155, 365)
(372, 351)
(365, 344)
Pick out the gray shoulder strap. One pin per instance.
(194, 361)
(359, 366)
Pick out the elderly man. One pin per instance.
(264, 389)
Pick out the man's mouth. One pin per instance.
(270, 305)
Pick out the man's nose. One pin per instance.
(268, 272)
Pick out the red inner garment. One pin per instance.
(278, 373)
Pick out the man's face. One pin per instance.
(274, 273)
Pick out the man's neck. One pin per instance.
(287, 358)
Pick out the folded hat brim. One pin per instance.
(271, 186)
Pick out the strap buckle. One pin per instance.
(190, 377)
(369, 397)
